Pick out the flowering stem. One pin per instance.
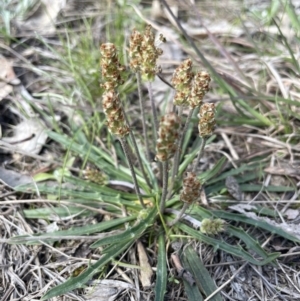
(136, 149)
(155, 122)
(165, 186)
(142, 107)
(180, 214)
(154, 113)
(203, 141)
(136, 186)
(180, 145)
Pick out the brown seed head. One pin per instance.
(181, 80)
(143, 53)
(114, 113)
(191, 188)
(207, 120)
(111, 69)
(200, 86)
(167, 137)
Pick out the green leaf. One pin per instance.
(270, 188)
(248, 240)
(244, 219)
(57, 235)
(100, 158)
(253, 167)
(84, 277)
(188, 158)
(247, 108)
(200, 273)
(206, 176)
(218, 244)
(91, 196)
(293, 16)
(130, 233)
(192, 291)
(45, 213)
(161, 272)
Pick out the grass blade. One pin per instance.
(248, 240)
(218, 244)
(192, 291)
(79, 281)
(244, 219)
(57, 235)
(161, 272)
(84, 195)
(130, 233)
(201, 275)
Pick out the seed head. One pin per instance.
(167, 137)
(143, 53)
(135, 53)
(206, 119)
(191, 188)
(182, 80)
(200, 86)
(212, 226)
(114, 114)
(95, 176)
(111, 68)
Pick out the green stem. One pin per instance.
(165, 187)
(142, 108)
(154, 113)
(155, 122)
(136, 149)
(180, 214)
(180, 145)
(136, 186)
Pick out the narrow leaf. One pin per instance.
(218, 244)
(244, 219)
(201, 275)
(161, 272)
(79, 281)
(130, 233)
(57, 235)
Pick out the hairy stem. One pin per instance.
(180, 214)
(179, 150)
(154, 113)
(136, 186)
(155, 122)
(136, 149)
(142, 107)
(165, 187)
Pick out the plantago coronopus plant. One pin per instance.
(190, 89)
(153, 204)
